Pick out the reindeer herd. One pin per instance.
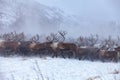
(57, 49)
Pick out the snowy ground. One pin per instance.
(34, 68)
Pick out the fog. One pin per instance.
(95, 9)
(78, 17)
(30, 17)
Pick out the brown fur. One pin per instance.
(1, 45)
(69, 47)
(37, 46)
(41, 48)
(24, 48)
(87, 53)
(112, 55)
(118, 48)
(11, 46)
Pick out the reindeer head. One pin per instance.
(52, 38)
(32, 44)
(35, 38)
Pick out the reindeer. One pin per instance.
(39, 48)
(118, 50)
(11, 46)
(51, 44)
(1, 46)
(69, 49)
(24, 48)
(108, 55)
(66, 49)
(59, 47)
(35, 38)
(89, 53)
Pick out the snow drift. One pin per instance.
(24, 68)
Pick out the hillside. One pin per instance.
(23, 16)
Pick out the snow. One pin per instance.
(17, 15)
(34, 68)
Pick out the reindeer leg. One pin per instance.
(69, 54)
(115, 59)
(80, 57)
(54, 54)
(62, 53)
(102, 59)
(74, 55)
(51, 52)
(92, 58)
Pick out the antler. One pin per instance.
(62, 34)
(118, 41)
(12, 36)
(6, 37)
(80, 41)
(19, 37)
(93, 40)
(35, 38)
(53, 37)
(48, 39)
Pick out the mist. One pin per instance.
(90, 16)
(29, 17)
(83, 17)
